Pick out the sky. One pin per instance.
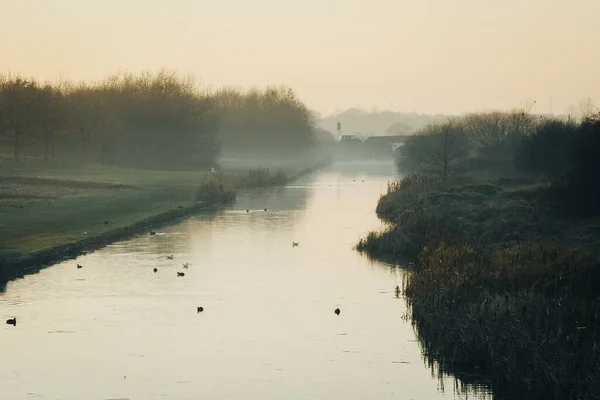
(426, 56)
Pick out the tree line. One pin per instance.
(565, 152)
(149, 120)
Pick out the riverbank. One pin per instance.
(501, 288)
(48, 213)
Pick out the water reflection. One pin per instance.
(268, 329)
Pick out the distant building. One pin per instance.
(396, 145)
(384, 145)
(350, 139)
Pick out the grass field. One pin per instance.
(44, 205)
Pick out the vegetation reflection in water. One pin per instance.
(501, 213)
(268, 307)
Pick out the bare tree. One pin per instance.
(587, 108)
(438, 149)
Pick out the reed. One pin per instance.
(526, 317)
(508, 296)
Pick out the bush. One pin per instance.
(546, 151)
(584, 159)
(577, 190)
(263, 177)
(216, 190)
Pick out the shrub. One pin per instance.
(216, 190)
(263, 177)
(546, 151)
(578, 192)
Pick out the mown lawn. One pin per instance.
(43, 205)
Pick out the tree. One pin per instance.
(437, 149)
(587, 108)
(50, 109)
(84, 114)
(399, 128)
(257, 120)
(19, 109)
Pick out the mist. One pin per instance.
(351, 199)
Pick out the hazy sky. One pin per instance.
(445, 56)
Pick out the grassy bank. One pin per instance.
(50, 211)
(502, 289)
(502, 216)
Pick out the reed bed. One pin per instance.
(527, 317)
(522, 314)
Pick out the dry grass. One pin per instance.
(502, 290)
(527, 317)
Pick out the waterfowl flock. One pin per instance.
(199, 309)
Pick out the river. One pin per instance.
(114, 329)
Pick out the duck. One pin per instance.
(105, 222)
(337, 311)
(200, 309)
(185, 265)
(155, 270)
(170, 257)
(265, 209)
(294, 244)
(79, 266)
(12, 321)
(180, 274)
(247, 210)
(152, 233)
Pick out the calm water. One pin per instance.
(116, 330)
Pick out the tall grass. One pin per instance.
(263, 177)
(216, 189)
(494, 293)
(527, 317)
